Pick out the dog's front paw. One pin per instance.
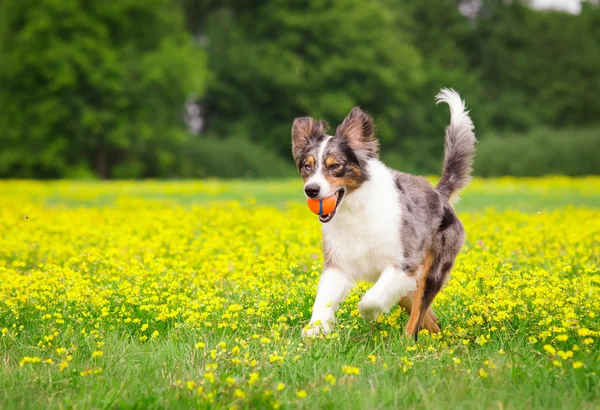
(369, 308)
(316, 329)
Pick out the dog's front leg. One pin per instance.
(392, 285)
(333, 288)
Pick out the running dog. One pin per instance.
(389, 228)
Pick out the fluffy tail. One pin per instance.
(459, 145)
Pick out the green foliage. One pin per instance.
(231, 158)
(93, 85)
(439, 32)
(538, 67)
(540, 152)
(277, 60)
(98, 89)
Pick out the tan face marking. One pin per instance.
(352, 180)
(330, 160)
(348, 176)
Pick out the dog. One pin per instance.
(389, 228)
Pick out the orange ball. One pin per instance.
(322, 206)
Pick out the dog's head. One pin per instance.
(334, 165)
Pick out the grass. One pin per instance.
(522, 194)
(197, 301)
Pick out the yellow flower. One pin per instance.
(584, 332)
(351, 370)
(562, 338)
(244, 271)
(565, 355)
(275, 358)
(210, 377)
(301, 394)
(253, 378)
(239, 393)
(29, 359)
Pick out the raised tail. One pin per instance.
(459, 145)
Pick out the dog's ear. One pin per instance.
(359, 131)
(303, 130)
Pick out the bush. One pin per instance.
(423, 156)
(540, 152)
(232, 158)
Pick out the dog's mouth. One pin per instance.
(326, 218)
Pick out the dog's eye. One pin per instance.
(335, 167)
(307, 167)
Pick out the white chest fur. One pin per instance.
(364, 235)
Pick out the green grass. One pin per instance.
(146, 375)
(139, 376)
(497, 193)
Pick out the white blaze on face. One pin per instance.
(318, 177)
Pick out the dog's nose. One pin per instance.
(312, 190)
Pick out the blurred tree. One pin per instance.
(94, 85)
(440, 33)
(537, 66)
(98, 88)
(276, 60)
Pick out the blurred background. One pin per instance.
(209, 88)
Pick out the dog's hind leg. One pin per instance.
(431, 322)
(436, 268)
(414, 323)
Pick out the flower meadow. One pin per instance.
(194, 294)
